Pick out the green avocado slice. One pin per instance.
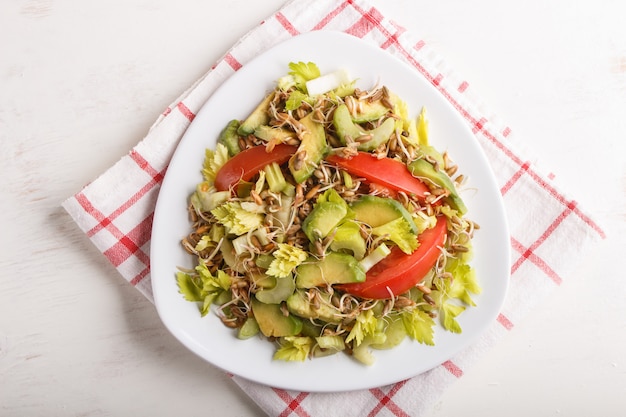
(342, 120)
(313, 148)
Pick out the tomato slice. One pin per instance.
(398, 272)
(247, 163)
(386, 172)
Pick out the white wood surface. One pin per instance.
(80, 84)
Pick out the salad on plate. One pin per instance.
(326, 222)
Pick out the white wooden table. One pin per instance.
(76, 339)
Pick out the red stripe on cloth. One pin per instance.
(463, 87)
(185, 111)
(232, 61)
(479, 125)
(516, 176)
(89, 208)
(105, 221)
(130, 244)
(393, 39)
(561, 199)
(371, 19)
(453, 369)
(293, 403)
(167, 111)
(419, 45)
(438, 78)
(330, 16)
(385, 400)
(117, 254)
(504, 321)
(399, 29)
(137, 278)
(571, 206)
(527, 254)
(145, 166)
(506, 132)
(286, 24)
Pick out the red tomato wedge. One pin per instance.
(246, 164)
(387, 172)
(398, 272)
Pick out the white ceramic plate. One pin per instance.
(252, 358)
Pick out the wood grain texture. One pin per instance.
(81, 84)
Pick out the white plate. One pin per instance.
(252, 358)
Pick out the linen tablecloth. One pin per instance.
(549, 231)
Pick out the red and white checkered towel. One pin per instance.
(549, 231)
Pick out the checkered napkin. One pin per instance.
(549, 230)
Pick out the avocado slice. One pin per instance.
(324, 217)
(259, 116)
(298, 304)
(230, 138)
(309, 327)
(272, 322)
(377, 211)
(231, 259)
(431, 152)
(370, 111)
(285, 286)
(313, 148)
(348, 238)
(262, 280)
(278, 134)
(334, 268)
(342, 120)
(249, 328)
(424, 169)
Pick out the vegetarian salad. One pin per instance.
(326, 222)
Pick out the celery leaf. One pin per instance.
(189, 286)
(449, 313)
(398, 231)
(303, 72)
(213, 161)
(419, 326)
(422, 127)
(295, 100)
(366, 324)
(294, 348)
(464, 283)
(237, 219)
(286, 258)
(202, 287)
